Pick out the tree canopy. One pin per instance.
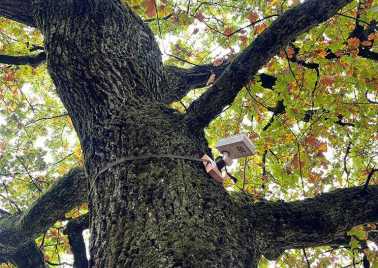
(308, 99)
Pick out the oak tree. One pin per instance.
(107, 107)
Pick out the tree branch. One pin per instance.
(74, 230)
(366, 53)
(17, 10)
(282, 31)
(68, 192)
(20, 229)
(314, 221)
(181, 81)
(28, 255)
(33, 60)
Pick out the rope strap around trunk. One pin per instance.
(142, 157)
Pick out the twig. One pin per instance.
(28, 173)
(162, 18)
(371, 173)
(306, 258)
(46, 118)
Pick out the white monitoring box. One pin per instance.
(237, 146)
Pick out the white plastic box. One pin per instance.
(237, 146)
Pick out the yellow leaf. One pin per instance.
(322, 147)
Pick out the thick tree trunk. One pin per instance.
(162, 212)
(154, 212)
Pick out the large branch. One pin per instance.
(28, 255)
(69, 192)
(33, 60)
(314, 221)
(17, 230)
(181, 81)
(17, 10)
(282, 31)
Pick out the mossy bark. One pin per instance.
(162, 212)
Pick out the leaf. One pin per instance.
(199, 16)
(228, 31)
(252, 17)
(373, 36)
(260, 28)
(290, 52)
(322, 147)
(150, 6)
(314, 177)
(353, 43)
(9, 75)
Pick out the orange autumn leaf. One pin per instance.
(367, 4)
(228, 31)
(296, 163)
(290, 52)
(322, 147)
(314, 177)
(373, 36)
(252, 17)
(253, 135)
(322, 53)
(150, 6)
(9, 76)
(260, 28)
(353, 42)
(327, 80)
(244, 40)
(311, 140)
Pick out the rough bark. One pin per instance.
(161, 212)
(314, 221)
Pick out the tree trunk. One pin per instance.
(156, 212)
(162, 212)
